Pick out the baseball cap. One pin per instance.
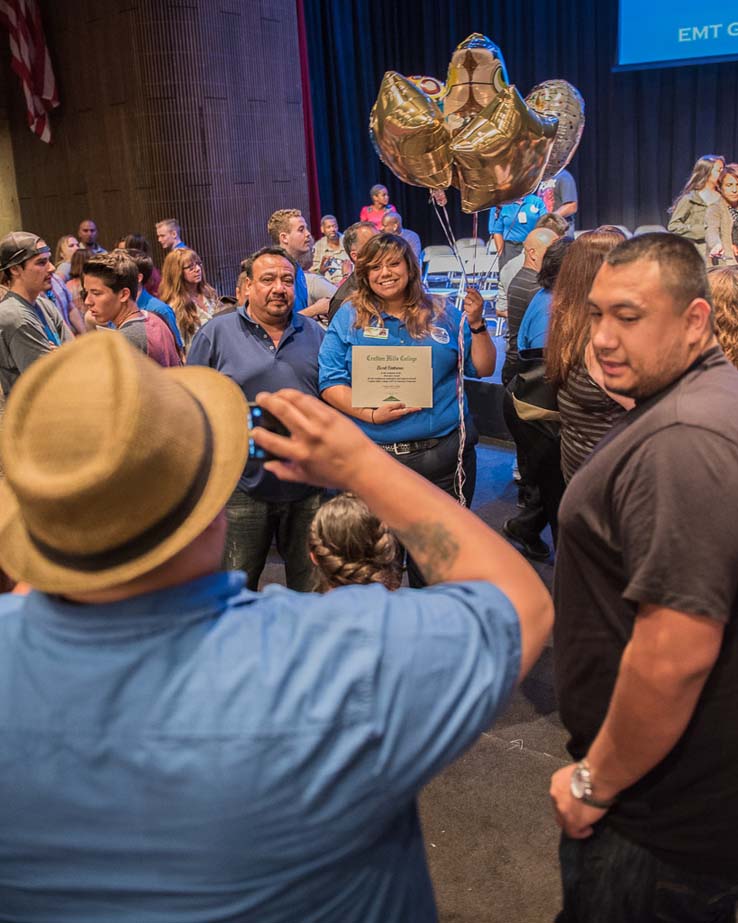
(19, 246)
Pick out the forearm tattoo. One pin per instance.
(434, 548)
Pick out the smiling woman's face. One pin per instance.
(389, 279)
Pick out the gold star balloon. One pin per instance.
(408, 130)
(501, 155)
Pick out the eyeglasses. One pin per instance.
(191, 266)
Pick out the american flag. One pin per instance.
(31, 62)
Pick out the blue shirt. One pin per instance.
(428, 423)
(240, 348)
(533, 331)
(208, 753)
(516, 220)
(147, 302)
(301, 290)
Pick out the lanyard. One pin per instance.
(51, 335)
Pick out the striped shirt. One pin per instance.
(522, 289)
(587, 414)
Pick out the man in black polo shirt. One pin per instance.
(265, 345)
(646, 593)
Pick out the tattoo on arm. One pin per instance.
(434, 548)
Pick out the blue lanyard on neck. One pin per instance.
(51, 335)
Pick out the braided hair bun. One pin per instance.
(349, 545)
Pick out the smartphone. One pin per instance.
(257, 416)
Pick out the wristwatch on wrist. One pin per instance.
(482, 328)
(582, 787)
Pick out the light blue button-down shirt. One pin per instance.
(206, 754)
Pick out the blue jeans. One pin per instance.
(608, 879)
(253, 525)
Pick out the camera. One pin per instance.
(257, 416)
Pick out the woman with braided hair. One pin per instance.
(349, 545)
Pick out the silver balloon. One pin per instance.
(559, 99)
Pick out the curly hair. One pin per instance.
(723, 282)
(279, 222)
(173, 291)
(349, 545)
(569, 325)
(420, 309)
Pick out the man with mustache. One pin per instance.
(646, 596)
(30, 324)
(265, 345)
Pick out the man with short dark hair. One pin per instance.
(148, 302)
(329, 255)
(87, 235)
(354, 238)
(265, 345)
(110, 283)
(168, 234)
(175, 747)
(392, 224)
(30, 324)
(646, 590)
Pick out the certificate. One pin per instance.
(383, 375)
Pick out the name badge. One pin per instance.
(439, 335)
(522, 218)
(376, 333)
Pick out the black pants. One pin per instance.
(539, 463)
(438, 465)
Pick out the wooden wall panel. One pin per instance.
(183, 108)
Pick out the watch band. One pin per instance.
(482, 328)
(582, 787)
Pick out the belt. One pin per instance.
(405, 448)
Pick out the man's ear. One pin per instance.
(698, 314)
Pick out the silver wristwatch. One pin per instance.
(581, 787)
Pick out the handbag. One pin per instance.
(533, 395)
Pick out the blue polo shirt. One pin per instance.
(208, 753)
(240, 348)
(428, 423)
(516, 220)
(147, 302)
(301, 290)
(533, 330)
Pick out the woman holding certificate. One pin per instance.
(396, 348)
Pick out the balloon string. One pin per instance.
(459, 475)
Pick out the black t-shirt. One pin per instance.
(651, 517)
(519, 294)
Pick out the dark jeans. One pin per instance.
(438, 465)
(539, 463)
(253, 524)
(608, 879)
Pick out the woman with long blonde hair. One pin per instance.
(587, 409)
(184, 289)
(390, 309)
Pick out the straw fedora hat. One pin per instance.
(113, 464)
